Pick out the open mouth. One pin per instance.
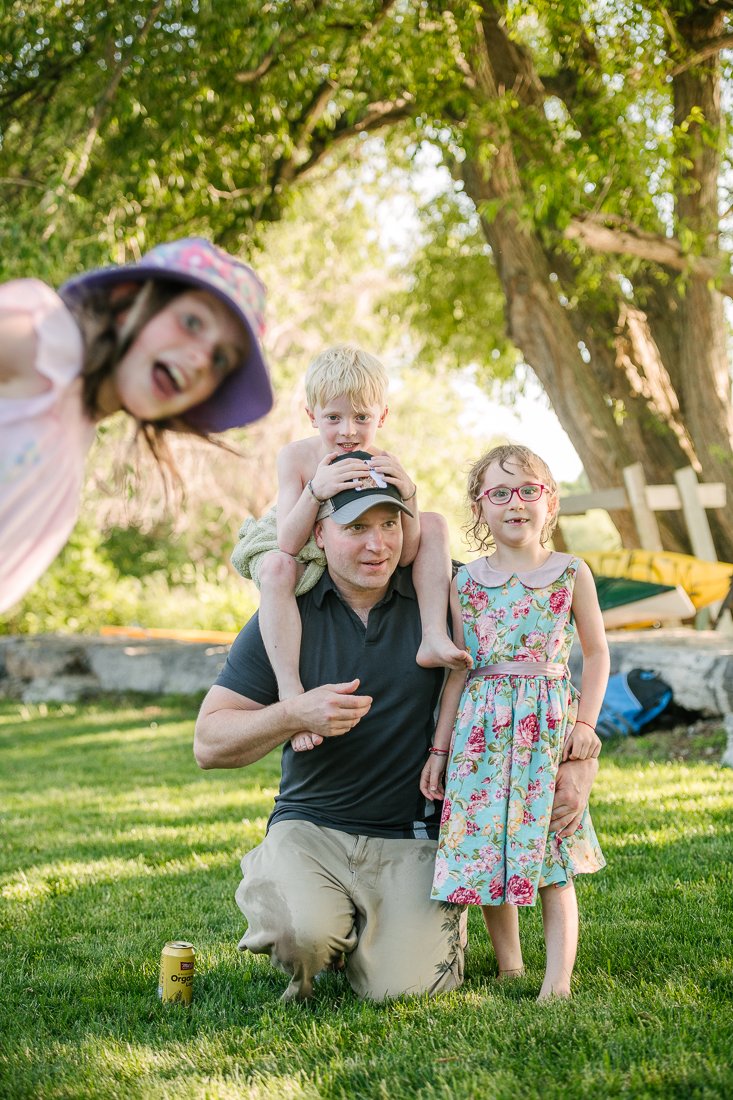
(167, 379)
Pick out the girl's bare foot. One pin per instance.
(559, 994)
(510, 975)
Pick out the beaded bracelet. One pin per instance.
(310, 489)
(437, 752)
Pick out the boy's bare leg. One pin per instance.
(502, 923)
(281, 630)
(431, 574)
(560, 922)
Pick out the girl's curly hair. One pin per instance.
(477, 530)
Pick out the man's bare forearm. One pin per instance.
(229, 737)
(233, 731)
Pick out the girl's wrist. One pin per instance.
(582, 722)
(435, 751)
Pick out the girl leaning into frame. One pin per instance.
(172, 340)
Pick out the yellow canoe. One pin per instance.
(705, 582)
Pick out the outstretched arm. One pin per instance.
(233, 731)
(18, 374)
(300, 496)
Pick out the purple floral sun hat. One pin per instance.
(245, 394)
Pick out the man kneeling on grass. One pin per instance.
(343, 876)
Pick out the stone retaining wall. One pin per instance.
(697, 664)
(60, 668)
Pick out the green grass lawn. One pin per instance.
(113, 842)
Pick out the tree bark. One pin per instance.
(704, 386)
(609, 419)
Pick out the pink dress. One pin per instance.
(44, 440)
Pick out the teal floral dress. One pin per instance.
(495, 842)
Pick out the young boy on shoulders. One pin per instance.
(346, 393)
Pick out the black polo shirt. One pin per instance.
(365, 782)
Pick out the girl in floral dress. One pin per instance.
(507, 726)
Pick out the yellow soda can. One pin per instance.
(176, 972)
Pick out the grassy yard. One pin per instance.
(112, 842)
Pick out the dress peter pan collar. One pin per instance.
(485, 574)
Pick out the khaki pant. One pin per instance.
(312, 895)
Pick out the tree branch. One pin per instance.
(309, 119)
(19, 181)
(710, 49)
(251, 76)
(300, 161)
(73, 178)
(623, 239)
(277, 52)
(450, 28)
(377, 116)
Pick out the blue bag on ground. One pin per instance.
(631, 701)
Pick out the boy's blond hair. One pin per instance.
(346, 370)
(528, 462)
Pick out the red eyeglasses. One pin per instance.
(502, 494)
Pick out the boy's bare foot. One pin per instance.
(302, 742)
(438, 651)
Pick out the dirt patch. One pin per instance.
(703, 740)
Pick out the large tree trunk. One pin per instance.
(609, 420)
(703, 379)
(584, 396)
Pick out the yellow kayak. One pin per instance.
(705, 582)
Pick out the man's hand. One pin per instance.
(233, 731)
(331, 710)
(572, 790)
